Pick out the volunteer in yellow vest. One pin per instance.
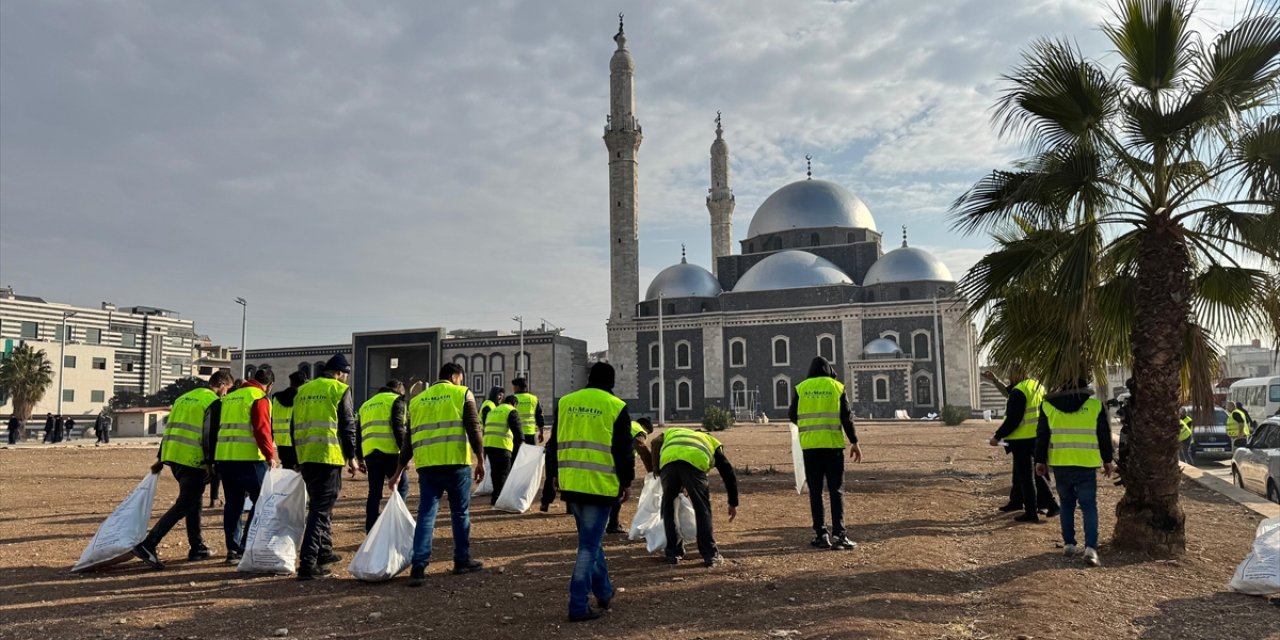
(821, 411)
(281, 418)
(495, 397)
(1030, 493)
(684, 456)
(1237, 424)
(243, 450)
(324, 436)
(640, 430)
(1184, 437)
(383, 421)
(531, 421)
(1073, 437)
(590, 456)
(501, 441)
(186, 449)
(444, 432)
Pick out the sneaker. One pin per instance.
(615, 530)
(1091, 557)
(842, 543)
(314, 573)
(147, 555)
(591, 614)
(328, 558)
(713, 561)
(1011, 507)
(822, 541)
(1027, 517)
(418, 576)
(606, 604)
(1069, 551)
(674, 559)
(467, 566)
(543, 507)
(233, 557)
(199, 553)
(1052, 512)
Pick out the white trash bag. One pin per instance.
(797, 457)
(388, 549)
(485, 487)
(123, 530)
(648, 507)
(655, 535)
(279, 519)
(1259, 574)
(525, 480)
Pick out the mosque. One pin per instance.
(811, 278)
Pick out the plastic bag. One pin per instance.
(686, 521)
(122, 530)
(388, 548)
(797, 457)
(279, 519)
(1259, 574)
(486, 486)
(648, 507)
(525, 480)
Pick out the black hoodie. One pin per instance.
(1070, 401)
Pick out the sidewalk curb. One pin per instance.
(1254, 503)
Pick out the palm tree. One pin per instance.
(1151, 205)
(25, 375)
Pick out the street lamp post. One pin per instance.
(520, 354)
(937, 351)
(662, 370)
(244, 323)
(62, 356)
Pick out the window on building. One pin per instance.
(890, 335)
(30, 330)
(522, 364)
(738, 352)
(99, 364)
(849, 238)
(781, 352)
(68, 395)
(684, 358)
(249, 370)
(304, 368)
(904, 293)
(128, 339)
(654, 396)
(880, 391)
(126, 367)
(827, 347)
(920, 346)
(395, 363)
(924, 390)
(496, 380)
(684, 395)
(871, 296)
(738, 393)
(478, 363)
(781, 393)
(497, 363)
(206, 371)
(671, 308)
(773, 244)
(179, 370)
(317, 368)
(477, 384)
(814, 240)
(69, 362)
(97, 395)
(461, 361)
(93, 336)
(654, 356)
(751, 247)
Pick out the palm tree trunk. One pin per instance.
(1149, 517)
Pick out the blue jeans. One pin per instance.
(240, 480)
(1078, 485)
(590, 572)
(431, 484)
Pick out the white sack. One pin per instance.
(388, 548)
(654, 530)
(279, 519)
(486, 486)
(122, 530)
(797, 457)
(1259, 574)
(648, 507)
(525, 480)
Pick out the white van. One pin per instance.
(1259, 396)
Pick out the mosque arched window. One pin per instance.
(738, 352)
(827, 347)
(738, 391)
(814, 240)
(684, 359)
(920, 346)
(478, 363)
(880, 388)
(781, 351)
(781, 392)
(654, 356)
(654, 396)
(924, 390)
(305, 369)
(684, 395)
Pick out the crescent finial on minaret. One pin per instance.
(904, 235)
(808, 164)
(719, 130)
(683, 259)
(620, 37)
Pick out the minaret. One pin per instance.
(720, 199)
(622, 137)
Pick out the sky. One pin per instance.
(366, 166)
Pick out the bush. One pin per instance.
(717, 419)
(953, 415)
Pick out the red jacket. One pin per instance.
(260, 422)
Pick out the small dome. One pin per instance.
(810, 204)
(791, 270)
(882, 347)
(907, 264)
(683, 280)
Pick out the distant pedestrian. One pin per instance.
(15, 429)
(106, 427)
(381, 425)
(1018, 432)
(98, 428)
(1073, 437)
(820, 409)
(59, 428)
(70, 426)
(49, 425)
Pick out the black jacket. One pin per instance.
(1070, 402)
(1014, 409)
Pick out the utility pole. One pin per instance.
(520, 355)
(62, 357)
(662, 370)
(244, 353)
(937, 352)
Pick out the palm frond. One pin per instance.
(1056, 97)
(1154, 40)
(1241, 68)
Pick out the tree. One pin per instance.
(25, 376)
(166, 396)
(1150, 210)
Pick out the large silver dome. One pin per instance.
(683, 280)
(882, 347)
(810, 204)
(907, 264)
(791, 270)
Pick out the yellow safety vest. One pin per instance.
(694, 447)
(497, 435)
(487, 404)
(235, 431)
(315, 422)
(376, 433)
(818, 413)
(528, 403)
(1184, 432)
(1034, 393)
(183, 441)
(435, 422)
(584, 447)
(280, 417)
(1073, 437)
(1238, 424)
(636, 430)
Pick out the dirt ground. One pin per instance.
(935, 560)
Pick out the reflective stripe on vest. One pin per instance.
(497, 434)
(696, 448)
(183, 441)
(528, 405)
(280, 417)
(1034, 393)
(376, 433)
(584, 448)
(1073, 437)
(235, 430)
(435, 424)
(1237, 424)
(315, 421)
(818, 413)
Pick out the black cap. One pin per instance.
(338, 363)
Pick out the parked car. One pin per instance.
(1256, 466)
(1210, 438)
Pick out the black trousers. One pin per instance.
(381, 466)
(825, 468)
(240, 480)
(614, 514)
(323, 481)
(499, 468)
(681, 476)
(1029, 490)
(187, 506)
